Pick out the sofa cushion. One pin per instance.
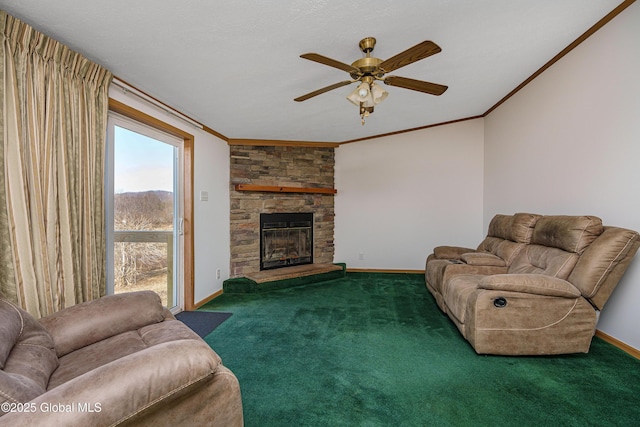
(500, 226)
(569, 233)
(169, 330)
(522, 227)
(113, 348)
(87, 323)
(517, 228)
(504, 249)
(536, 259)
(508, 251)
(482, 258)
(93, 356)
(507, 235)
(490, 244)
(450, 252)
(27, 355)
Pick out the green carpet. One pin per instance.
(374, 350)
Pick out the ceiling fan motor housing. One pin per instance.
(367, 66)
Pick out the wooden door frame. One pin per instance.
(188, 240)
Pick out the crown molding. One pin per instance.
(410, 130)
(277, 143)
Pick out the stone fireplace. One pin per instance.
(274, 179)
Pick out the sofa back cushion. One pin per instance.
(89, 322)
(490, 244)
(569, 233)
(504, 249)
(507, 234)
(517, 227)
(603, 263)
(508, 251)
(538, 259)
(522, 227)
(27, 356)
(500, 226)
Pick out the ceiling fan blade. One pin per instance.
(331, 62)
(411, 55)
(323, 90)
(419, 85)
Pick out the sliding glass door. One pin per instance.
(144, 210)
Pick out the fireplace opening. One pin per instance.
(285, 239)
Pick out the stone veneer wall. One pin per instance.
(285, 166)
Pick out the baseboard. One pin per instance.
(206, 300)
(617, 343)
(375, 270)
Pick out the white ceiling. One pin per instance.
(234, 66)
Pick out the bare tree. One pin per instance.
(140, 211)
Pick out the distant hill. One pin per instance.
(156, 207)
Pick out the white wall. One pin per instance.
(211, 218)
(569, 143)
(400, 196)
(211, 222)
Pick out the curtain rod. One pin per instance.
(127, 88)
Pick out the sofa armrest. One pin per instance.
(123, 388)
(89, 322)
(483, 258)
(454, 269)
(450, 252)
(536, 284)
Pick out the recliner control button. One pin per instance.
(500, 302)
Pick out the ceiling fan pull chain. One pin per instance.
(364, 112)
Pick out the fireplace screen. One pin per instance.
(286, 239)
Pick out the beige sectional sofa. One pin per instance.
(118, 360)
(537, 288)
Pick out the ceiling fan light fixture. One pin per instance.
(362, 94)
(378, 94)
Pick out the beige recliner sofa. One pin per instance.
(548, 299)
(118, 360)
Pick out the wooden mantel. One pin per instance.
(279, 189)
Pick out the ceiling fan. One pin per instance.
(369, 69)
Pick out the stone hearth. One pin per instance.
(292, 272)
(284, 166)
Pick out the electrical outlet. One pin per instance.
(361, 256)
(218, 273)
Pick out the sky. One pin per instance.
(141, 163)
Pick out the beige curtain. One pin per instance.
(53, 126)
